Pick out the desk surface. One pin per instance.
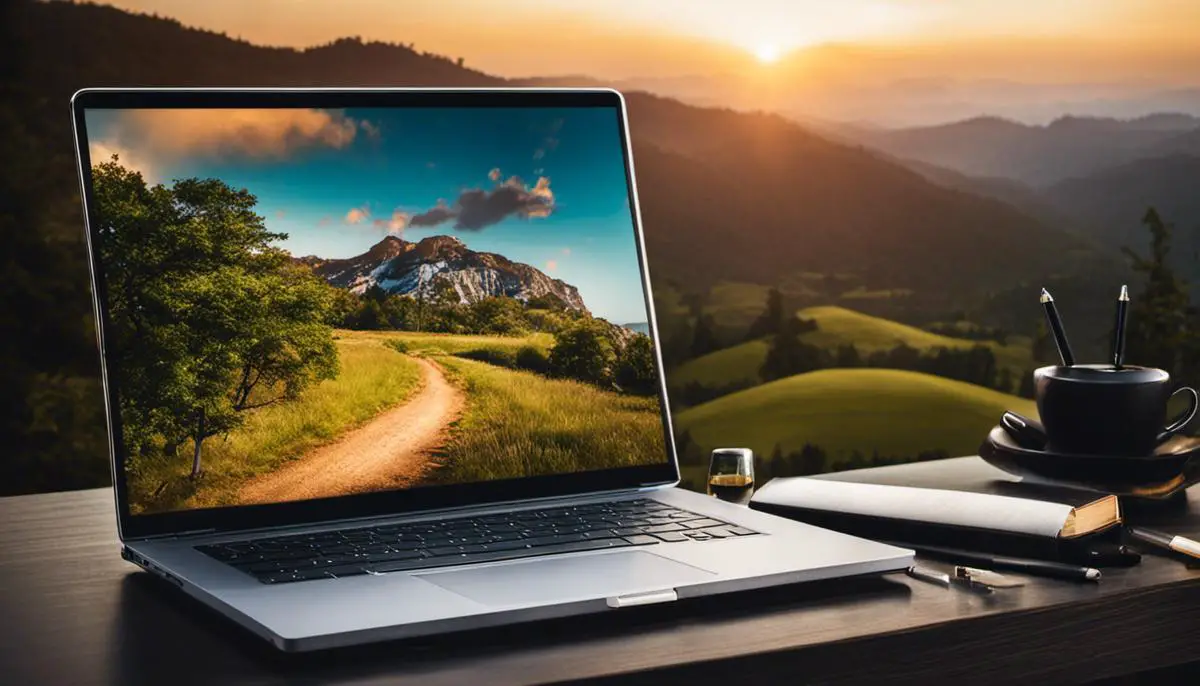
(75, 613)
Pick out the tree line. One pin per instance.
(437, 308)
(587, 351)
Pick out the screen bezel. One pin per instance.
(380, 503)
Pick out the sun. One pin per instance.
(767, 54)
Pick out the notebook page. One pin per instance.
(954, 508)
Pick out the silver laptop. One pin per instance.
(383, 363)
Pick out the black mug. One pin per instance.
(1092, 409)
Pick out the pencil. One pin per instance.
(1056, 327)
(1118, 349)
(1167, 541)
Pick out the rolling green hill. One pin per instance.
(838, 326)
(735, 365)
(736, 304)
(842, 410)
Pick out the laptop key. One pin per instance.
(593, 535)
(305, 575)
(218, 552)
(664, 528)
(740, 530)
(346, 570)
(393, 556)
(261, 568)
(507, 545)
(505, 536)
(718, 532)
(402, 565)
(641, 539)
(671, 536)
(538, 541)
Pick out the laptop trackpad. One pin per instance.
(560, 579)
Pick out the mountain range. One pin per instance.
(406, 268)
(1068, 147)
(755, 197)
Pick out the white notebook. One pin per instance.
(939, 507)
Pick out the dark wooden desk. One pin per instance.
(74, 613)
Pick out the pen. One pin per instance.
(1028, 433)
(928, 575)
(1177, 543)
(1053, 570)
(1056, 327)
(1118, 345)
(982, 579)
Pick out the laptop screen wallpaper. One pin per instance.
(306, 303)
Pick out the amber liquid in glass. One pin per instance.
(731, 487)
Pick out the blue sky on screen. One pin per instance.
(544, 187)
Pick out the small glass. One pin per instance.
(731, 475)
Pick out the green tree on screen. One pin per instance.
(208, 319)
(636, 371)
(582, 352)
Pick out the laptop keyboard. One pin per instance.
(469, 540)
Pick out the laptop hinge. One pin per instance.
(465, 511)
(176, 534)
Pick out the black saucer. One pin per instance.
(1174, 465)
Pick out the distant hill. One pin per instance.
(841, 410)
(1037, 155)
(837, 326)
(407, 268)
(1187, 143)
(754, 197)
(1112, 201)
(1016, 193)
(638, 327)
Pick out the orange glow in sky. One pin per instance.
(622, 38)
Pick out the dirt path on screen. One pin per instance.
(393, 450)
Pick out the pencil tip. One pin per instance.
(1124, 293)
(1046, 296)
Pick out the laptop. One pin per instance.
(383, 363)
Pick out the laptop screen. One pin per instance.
(305, 303)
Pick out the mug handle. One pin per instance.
(1183, 419)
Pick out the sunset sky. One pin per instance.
(1044, 40)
